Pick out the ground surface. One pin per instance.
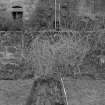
(79, 92)
(14, 92)
(85, 92)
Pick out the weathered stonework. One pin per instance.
(27, 6)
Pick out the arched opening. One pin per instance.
(17, 12)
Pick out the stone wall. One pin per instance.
(27, 5)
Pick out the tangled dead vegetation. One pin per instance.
(59, 49)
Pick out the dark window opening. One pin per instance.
(17, 15)
(17, 12)
(57, 26)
